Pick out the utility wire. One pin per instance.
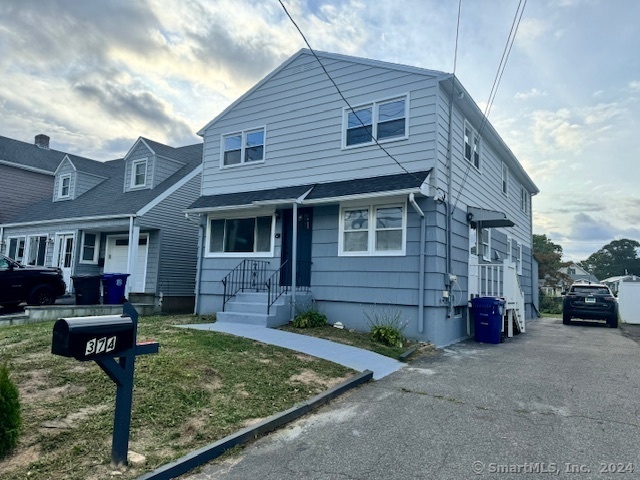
(494, 88)
(344, 98)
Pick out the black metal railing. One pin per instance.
(249, 275)
(303, 276)
(275, 287)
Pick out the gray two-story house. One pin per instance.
(119, 216)
(402, 202)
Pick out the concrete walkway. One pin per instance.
(352, 357)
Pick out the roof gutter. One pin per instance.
(66, 220)
(27, 167)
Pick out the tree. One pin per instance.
(548, 255)
(619, 257)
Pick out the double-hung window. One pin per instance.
(471, 146)
(90, 248)
(524, 200)
(382, 121)
(241, 236)
(139, 173)
(37, 250)
(64, 186)
(373, 230)
(243, 147)
(505, 179)
(16, 248)
(484, 243)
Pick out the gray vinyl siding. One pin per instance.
(85, 182)
(303, 116)
(177, 242)
(163, 168)
(66, 168)
(14, 197)
(479, 188)
(140, 152)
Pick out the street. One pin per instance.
(557, 400)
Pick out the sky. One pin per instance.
(96, 75)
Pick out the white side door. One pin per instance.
(63, 257)
(117, 255)
(474, 270)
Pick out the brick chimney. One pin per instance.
(42, 141)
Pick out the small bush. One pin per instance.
(10, 420)
(386, 325)
(310, 319)
(550, 304)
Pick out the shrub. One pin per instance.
(550, 304)
(386, 325)
(9, 413)
(310, 318)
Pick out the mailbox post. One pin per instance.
(102, 339)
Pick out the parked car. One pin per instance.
(590, 301)
(32, 284)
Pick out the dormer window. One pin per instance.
(139, 173)
(64, 186)
(243, 147)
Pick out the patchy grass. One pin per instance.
(350, 337)
(200, 387)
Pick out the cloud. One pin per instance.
(533, 93)
(634, 85)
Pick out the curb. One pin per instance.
(404, 357)
(205, 454)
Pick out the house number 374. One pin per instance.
(100, 345)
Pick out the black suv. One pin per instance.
(31, 284)
(590, 301)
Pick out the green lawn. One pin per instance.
(200, 387)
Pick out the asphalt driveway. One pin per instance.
(558, 400)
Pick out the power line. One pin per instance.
(343, 97)
(494, 88)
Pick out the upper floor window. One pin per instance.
(373, 230)
(243, 147)
(383, 121)
(524, 200)
(241, 236)
(64, 186)
(139, 173)
(505, 178)
(471, 145)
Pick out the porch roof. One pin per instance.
(315, 193)
(488, 218)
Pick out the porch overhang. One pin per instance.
(320, 193)
(484, 218)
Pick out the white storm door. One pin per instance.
(474, 269)
(117, 255)
(64, 257)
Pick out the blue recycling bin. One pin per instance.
(488, 315)
(113, 288)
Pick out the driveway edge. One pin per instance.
(214, 450)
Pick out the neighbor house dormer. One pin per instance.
(148, 164)
(72, 181)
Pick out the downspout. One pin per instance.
(201, 246)
(447, 204)
(423, 236)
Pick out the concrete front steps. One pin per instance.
(250, 308)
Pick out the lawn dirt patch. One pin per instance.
(200, 387)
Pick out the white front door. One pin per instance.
(64, 257)
(117, 255)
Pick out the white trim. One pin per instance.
(375, 107)
(96, 251)
(230, 216)
(371, 230)
(170, 191)
(486, 255)
(66, 157)
(61, 179)
(58, 236)
(474, 132)
(509, 248)
(505, 180)
(363, 196)
(135, 145)
(132, 179)
(519, 258)
(8, 246)
(243, 136)
(110, 242)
